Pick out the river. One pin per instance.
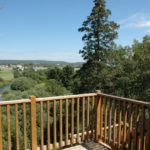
(2, 89)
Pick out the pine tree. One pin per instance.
(98, 39)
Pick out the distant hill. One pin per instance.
(39, 62)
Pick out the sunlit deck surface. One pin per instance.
(88, 146)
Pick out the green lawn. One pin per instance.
(6, 74)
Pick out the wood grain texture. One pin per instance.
(66, 122)
(24, 126)
(83, 118)
(60, 124)
(41, 125)
(17, 126)
(55, 125)
(33, 123)
(48, 125)
(78, 119)
(8, 127)
(1, 143)
(72, 121)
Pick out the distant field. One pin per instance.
(6, 74)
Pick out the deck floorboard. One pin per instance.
(87, 146)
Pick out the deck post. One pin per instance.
(33, 123)
(98, 115)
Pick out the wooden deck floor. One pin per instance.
(88, 146)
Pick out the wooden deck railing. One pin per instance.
(66, 120)
(124, 123)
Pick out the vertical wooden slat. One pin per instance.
(33, 123)
(105, 123)
(66, 122)
(110, 118)
(143, 138)
(92, 118)
(1, 143)
(60, 124)
(124, 126)
(101, 120)
(149, 129)
(98, 106)
(83, 118)
(54, 116)
(87, 129)
(119, 132)
(114, 126)
(72, 121)
(130, 125)
(48, 126)
(8, 127)
(78, 120)
(136, 127)
(16, 124)
(24, 126)
(41, 124)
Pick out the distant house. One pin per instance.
(19, 67)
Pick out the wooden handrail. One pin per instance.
(126, 99)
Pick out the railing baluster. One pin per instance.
(1, 142)
(149, 128)
(87, 130)
(8, 127)
(83, 118)
(98, 117)
(101, 120)
(114, 126)
(16, 124)
(136, 127)
(54, 116)
(92, 118)
(110, 118)
(66, 119)
(78, 120)
(130, 126)
(125, 122)
(24, 126)
(41, 124)
(48, 126)
(143, 137)
(60, 124)
(105, 123)
(33, 124)
(72, 121)
(119, 132)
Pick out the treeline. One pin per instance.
(38, 62)
(125, 72)
(41, 83)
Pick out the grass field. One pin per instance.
(6, 74)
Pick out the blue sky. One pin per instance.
(48, 29)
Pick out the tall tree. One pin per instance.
(98, 39)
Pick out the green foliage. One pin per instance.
(39, 76)
(67, 77)
(22, 84)
(55, 87)
(98, 39)
(55, 73)
(99, 32)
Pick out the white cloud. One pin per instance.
(139, 20)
